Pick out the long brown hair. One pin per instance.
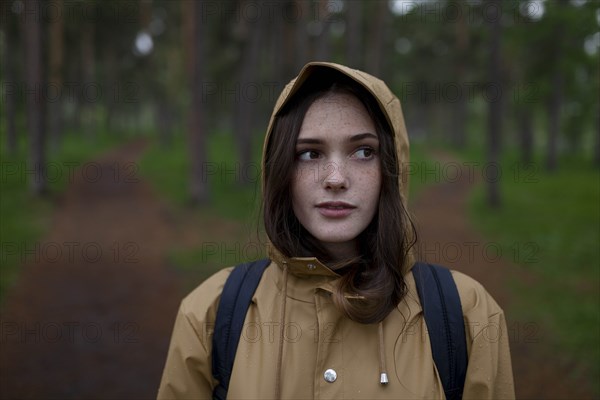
(374, 279)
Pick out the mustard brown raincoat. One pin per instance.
(321, 353)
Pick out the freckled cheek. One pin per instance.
(302, 186)
(306, 175)
(369, 181)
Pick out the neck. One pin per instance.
(340, 252)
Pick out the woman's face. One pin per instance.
(337, 177)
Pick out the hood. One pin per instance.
(388, 103)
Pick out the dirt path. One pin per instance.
(91, 314)
(448, 238)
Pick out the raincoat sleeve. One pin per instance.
(188, 370)
(489, 372)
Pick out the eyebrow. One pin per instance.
(353, 138)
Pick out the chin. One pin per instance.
(336, 238)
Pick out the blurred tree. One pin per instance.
(323, 40)
(290, 33)
(420, 69)
(353, 17)
(187, 34)
(525, 126)
(276, 62)
(145, 8)
(597, 145)
(199, 192)
(56, 52)
(247, 90)
(32, 24)
(558, 81)
(564, 75)
(110, 62)
(495, 107)
(120, 69)
(166, 102)
(555, 101)
(158, 67)
(301, 42)
(9, 64)
(88, 96)
(461, 53)
(581, 76)
(377, 38)
(522, 74)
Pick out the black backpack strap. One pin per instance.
(444, 318)
(231, 313)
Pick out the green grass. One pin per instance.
(26, 218)
(167, 167)
(549, 224)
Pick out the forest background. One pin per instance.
(99, 97)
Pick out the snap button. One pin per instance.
(330, 375)
(311, 266)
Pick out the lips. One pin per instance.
(335, 209)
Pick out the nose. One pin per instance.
(335, 176)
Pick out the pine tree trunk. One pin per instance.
(187, 34)
(88, 62)
(56, 64)
(525, 120)
(460, 109)
(164, 121)
(554, 109)
(597, 149)
(35, 105)
(276, 50)
(289, 60)
(353, 34)
(199, 193)
(8, 65)
(323, 45)
(495, 110)
(114, 88)
(246, 104)
(377, 38)
(556, 95)
(301, 35)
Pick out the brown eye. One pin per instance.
(308, 155)
(365, 153)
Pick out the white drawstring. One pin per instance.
(383, 378)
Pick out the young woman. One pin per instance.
(336, 313)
